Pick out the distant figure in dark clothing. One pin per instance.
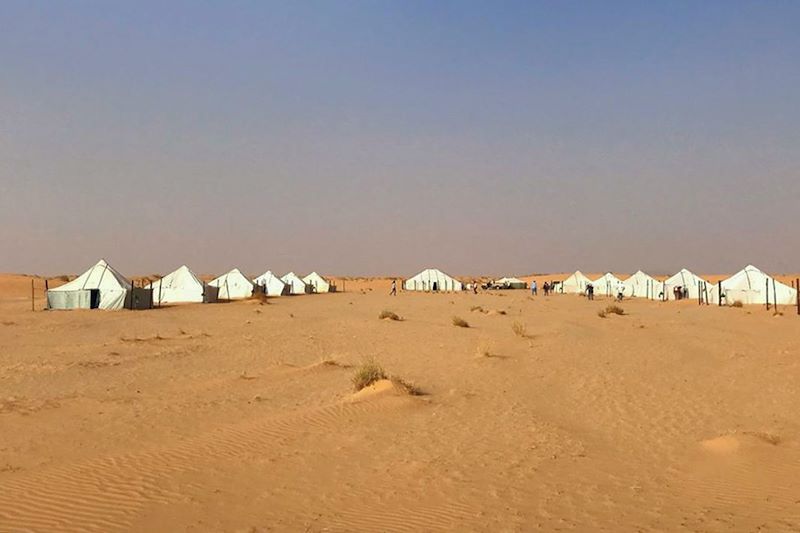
(394, 288)
(590, 291)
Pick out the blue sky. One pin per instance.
(383, 137)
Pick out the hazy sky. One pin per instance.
(383, 137)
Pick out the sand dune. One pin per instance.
(242, 417)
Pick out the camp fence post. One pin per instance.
(797, 293)
(774, 295)
(33, 297)
(766, 282)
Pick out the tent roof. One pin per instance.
(217, 282)
(181, 277)
(100, 276)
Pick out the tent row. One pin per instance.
(748, 286)
(103, 287)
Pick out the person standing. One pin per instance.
(590, 291)
(533, 288)
(394, 288)
(620, 291)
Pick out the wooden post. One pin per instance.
(797, 293)
(719, 293)
(766, 282)
(774, 295)
(160, 283)
(33, 297)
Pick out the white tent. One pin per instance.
(752, 286)
(318, 283)
(640, 285)
(296, 285)
(511, 283)
(272, 284)
(575, 284)
(233, 285)
(182, 286)
(607, 284)
(683, 279)
(432, 279)
(100, 287)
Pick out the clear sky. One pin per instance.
(379, 137)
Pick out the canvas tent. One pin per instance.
(606, 284)
(683, 279)
(575, 284)
(182, 286)
(510, 283)
(296, 285)
(318, 283)
(432, 279)
(271, 284)
(100, 287)
(752, 286)
(640, 285)
(233, 285)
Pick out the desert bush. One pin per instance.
(484, 349)
(386, 314)
(259, 296)
(476, 308)
(406, 386)
(519, 329)
(368, 373)
(460, 322)
(601, 313)
(737, 303)
(615, 310)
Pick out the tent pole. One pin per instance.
(719, 293)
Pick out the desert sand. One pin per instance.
(242, 416)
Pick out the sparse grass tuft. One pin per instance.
(367, 374)
(476, 308)
(484, 349)
(389, 315)
(406, 386)
(737, 303)
(519, 329)
(460, 322)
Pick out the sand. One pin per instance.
(242, 417)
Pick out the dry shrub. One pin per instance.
(406, 386)
(260, 297)
(389, 315)
(615, 310)
(368, 373)
(460, 322)
(484, 349)
(601, 313)
(476, 308)
(63, 277)
(737, 303)
(519, 329)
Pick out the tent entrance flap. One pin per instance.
(94, 298)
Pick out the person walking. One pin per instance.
(620, 291)
(533, 288)
(394, 288)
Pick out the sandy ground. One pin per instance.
(241, 416)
